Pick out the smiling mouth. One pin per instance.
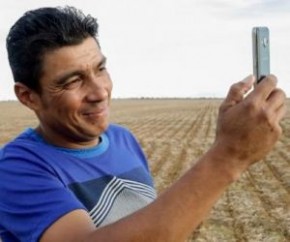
(96, 114)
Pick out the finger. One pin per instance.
(239, 89)
(276, 99)
(281, 112)
(277, 117)
(277, 107)
(265, 87)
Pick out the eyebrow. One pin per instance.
(60, 80)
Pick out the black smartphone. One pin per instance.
(261, 52)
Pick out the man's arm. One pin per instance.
(247, 130)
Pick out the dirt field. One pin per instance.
(174, 133)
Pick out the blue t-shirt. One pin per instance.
(39, 182)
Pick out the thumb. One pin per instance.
(239, 89)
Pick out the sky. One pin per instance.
(172, 48)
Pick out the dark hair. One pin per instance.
(42, 30)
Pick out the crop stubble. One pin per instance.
(173, 134)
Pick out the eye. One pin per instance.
(73, 83)
(102, 65)
(102, 68)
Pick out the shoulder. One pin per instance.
(119, 129)
(25, 152)
(121, 137)
(117, 132)
(27, 141)
(21, 144)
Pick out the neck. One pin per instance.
(57, 139)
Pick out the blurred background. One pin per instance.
(184, 48)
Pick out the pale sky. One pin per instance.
(172, 48)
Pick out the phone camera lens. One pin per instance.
(265, 42)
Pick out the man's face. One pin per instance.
(75, 95)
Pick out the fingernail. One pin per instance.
(249, 78)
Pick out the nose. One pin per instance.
(98, 89)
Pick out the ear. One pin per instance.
(27, 96)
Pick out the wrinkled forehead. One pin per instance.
(70, 58)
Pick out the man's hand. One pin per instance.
(249, 127)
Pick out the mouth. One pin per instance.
(97, 113)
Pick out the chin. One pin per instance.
(105, 126)
(102, 127)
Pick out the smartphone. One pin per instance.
(261, 52)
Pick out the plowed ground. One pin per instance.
(173, 134)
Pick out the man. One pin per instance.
(78, 178)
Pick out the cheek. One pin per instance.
(66, 104)
(109, 86)
(109, 83)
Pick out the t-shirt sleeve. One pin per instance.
(32, 196)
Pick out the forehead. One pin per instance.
(71, 58)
